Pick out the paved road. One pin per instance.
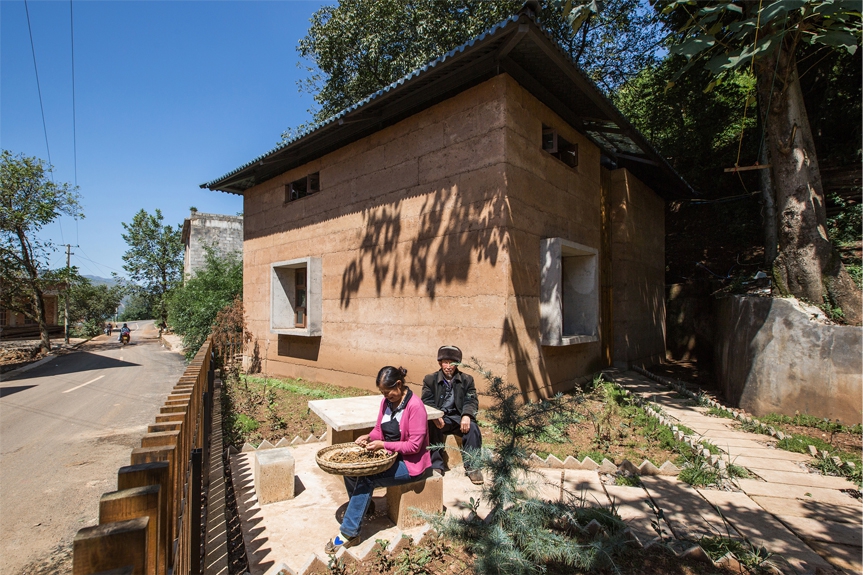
(65, 428)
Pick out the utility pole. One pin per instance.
(66, 299)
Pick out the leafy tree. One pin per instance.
(138, 305)
(92, 305)
(698, 131)
(361, 46)
(30, 201)
(192, 308)
(155, 257)
(768, 37)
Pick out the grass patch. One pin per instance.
(716, 412)
(628, 480)
(755, 559)
(698, 471)
(294, 386)
(804, 420)
(245, 424)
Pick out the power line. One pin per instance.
(95, 262)
(74, 127)
(39, 89)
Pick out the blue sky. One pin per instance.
(168, 95)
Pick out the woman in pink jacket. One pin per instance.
(402, 427)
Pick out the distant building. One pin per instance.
(14, 324)
(225, 233)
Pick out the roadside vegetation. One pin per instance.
(193, 306)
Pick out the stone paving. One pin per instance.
(802, 516)
(810, 525)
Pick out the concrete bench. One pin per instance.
(349, 417)
(274, 475)
(402, 500)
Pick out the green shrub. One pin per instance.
(192, 308)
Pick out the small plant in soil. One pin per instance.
(521, 533)
(627, 480)
(754, 558)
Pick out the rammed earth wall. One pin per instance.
(770, 358)
(429, 233)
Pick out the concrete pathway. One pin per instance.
(805, 517)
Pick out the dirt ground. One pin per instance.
(18, 353)
(434, 558)
(279, 412)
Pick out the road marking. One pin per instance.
(83, 384)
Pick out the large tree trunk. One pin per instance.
(39, 305)
(807, 266)
(32, 271)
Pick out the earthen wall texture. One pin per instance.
(638, 270)
(429, 234)
(409, 225)
(546, 199)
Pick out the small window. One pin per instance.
(295, 297)
(3, 316)
(569, 293)
(303, 187)
(557, 146)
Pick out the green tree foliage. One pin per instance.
(768, 38)
(360, 46)
(154, 259)
(699, 131)
(91, 305)
(192, 308)
(522, 533)
(138, 305)
(30, 200)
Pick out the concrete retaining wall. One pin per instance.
(769, 357)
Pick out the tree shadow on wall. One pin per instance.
(450, 237)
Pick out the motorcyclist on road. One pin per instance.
(124, 331)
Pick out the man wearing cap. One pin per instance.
(454, 393)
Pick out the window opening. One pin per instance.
(560, 148)
(303, 187)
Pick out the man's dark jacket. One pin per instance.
(464, 392)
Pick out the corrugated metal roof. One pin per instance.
(560, 84)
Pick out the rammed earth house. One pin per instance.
(493, 199)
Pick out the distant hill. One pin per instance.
(96, 280)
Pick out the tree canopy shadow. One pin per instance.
(450, 236)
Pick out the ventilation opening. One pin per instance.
(557, 146)
(303, 187)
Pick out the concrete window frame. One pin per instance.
(283, 292)
(569, 293)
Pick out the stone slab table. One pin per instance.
(349, 417)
